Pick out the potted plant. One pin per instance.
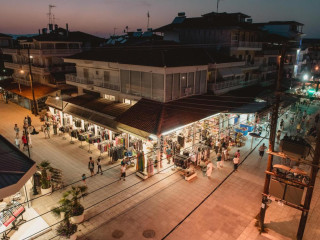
(71, 210)
(46, 186)
(77, 210)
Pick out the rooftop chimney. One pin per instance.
(56, 27)
(44, 30)
(39, 32)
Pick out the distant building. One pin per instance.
(46, 51)
(5, 42)
(163, 74)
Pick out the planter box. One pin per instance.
(77, 219)
(142, 175)
(46, 191)
(73, 236)
(188, 177)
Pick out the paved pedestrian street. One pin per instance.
(136, 209)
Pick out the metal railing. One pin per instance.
(65, 51)
(228, 84)
(246, 44)
(101, 83)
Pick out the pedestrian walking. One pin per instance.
(16, 129)
(236, 161)
(17, 141)
(168, 154)
(99, 166)
(91, 166)
(25, 142)
(29, 120)
(278, 136)
(209, 169)
(84, 177)
(219, 160)
(261, 150)
(55, 128)
(123, 172)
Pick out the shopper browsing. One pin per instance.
(123, 172)
(91, 166)
(261, 150)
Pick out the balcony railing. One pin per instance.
(246, 44)
(25, 67)
(99, 82)
(228, 84)
(59, 52)
(74, 78)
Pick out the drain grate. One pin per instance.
(117, 234)
(149, 233)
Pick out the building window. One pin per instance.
(109, 97)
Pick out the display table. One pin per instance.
(249, 127)
(239, 130)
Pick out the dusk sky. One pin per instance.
(100, 17)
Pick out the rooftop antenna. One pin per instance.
(148, 15)
(51, 17)
(218, 1)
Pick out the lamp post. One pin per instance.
(35, 107)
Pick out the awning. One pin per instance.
(55, 103)
(15, 168)
(226, 72)
(133, 131)
(40, 90)
(91, 116)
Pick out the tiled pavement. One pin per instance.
(228, 214)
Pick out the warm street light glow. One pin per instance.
(305, 77)
(317, 68)
(57, 97)
(31, 56)
(22, 71)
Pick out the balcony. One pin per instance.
(97, 82)
(228, 84)
(244, 45)
(72, 78)
(25, 67)
(43, 52)
(250, 82)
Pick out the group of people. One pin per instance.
(91, 167)
(26, 136)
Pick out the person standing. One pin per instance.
(25, 122)
(261, 150)
(219, 160)
(29, 140)
(123, 172)
(29, 120)
(48, 129)
(237, 154)
(169, 154)
(55, 128)
(84, 177)
(278, 136)
(298, 128)
(282, 125)
(236, 161)
(91, 166)
(99, 166)
(209, 169)
(25, 142)
(17, 141)
(16, 129)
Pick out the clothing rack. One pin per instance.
(182, 161)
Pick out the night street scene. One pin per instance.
(163, 120)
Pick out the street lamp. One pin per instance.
(35, 107)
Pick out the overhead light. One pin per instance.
(22, 71)
(305, 77)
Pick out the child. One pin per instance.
(84, 179)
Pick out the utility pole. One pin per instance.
(35, 107)
(273, 129)
(307, 201)
(148, 15)
(218, 1)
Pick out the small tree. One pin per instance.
(44, 166)
(70, 206)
